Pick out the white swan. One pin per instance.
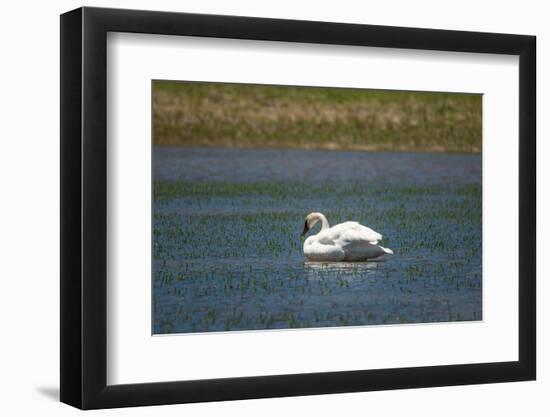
(348, 241)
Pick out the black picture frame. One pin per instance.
(84, 207)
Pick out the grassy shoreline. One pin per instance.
(227, 144)
(193, 114)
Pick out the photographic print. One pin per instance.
(286, 207)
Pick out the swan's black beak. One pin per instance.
(306, 228)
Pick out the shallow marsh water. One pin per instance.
(228, 253)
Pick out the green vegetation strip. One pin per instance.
(184, 189)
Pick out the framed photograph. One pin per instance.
(257, 208)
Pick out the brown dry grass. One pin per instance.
(252, 116)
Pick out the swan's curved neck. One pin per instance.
(324, 221)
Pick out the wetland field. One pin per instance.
(236, 169)
(228, 252)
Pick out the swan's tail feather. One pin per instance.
(387, 250)
(383, 257)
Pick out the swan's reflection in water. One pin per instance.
(346, 273)
(340, 266)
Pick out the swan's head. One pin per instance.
(311, 220)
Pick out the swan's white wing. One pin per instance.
(359, 243)
(349, 241)
(354, 233)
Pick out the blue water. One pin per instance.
(228, 253)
